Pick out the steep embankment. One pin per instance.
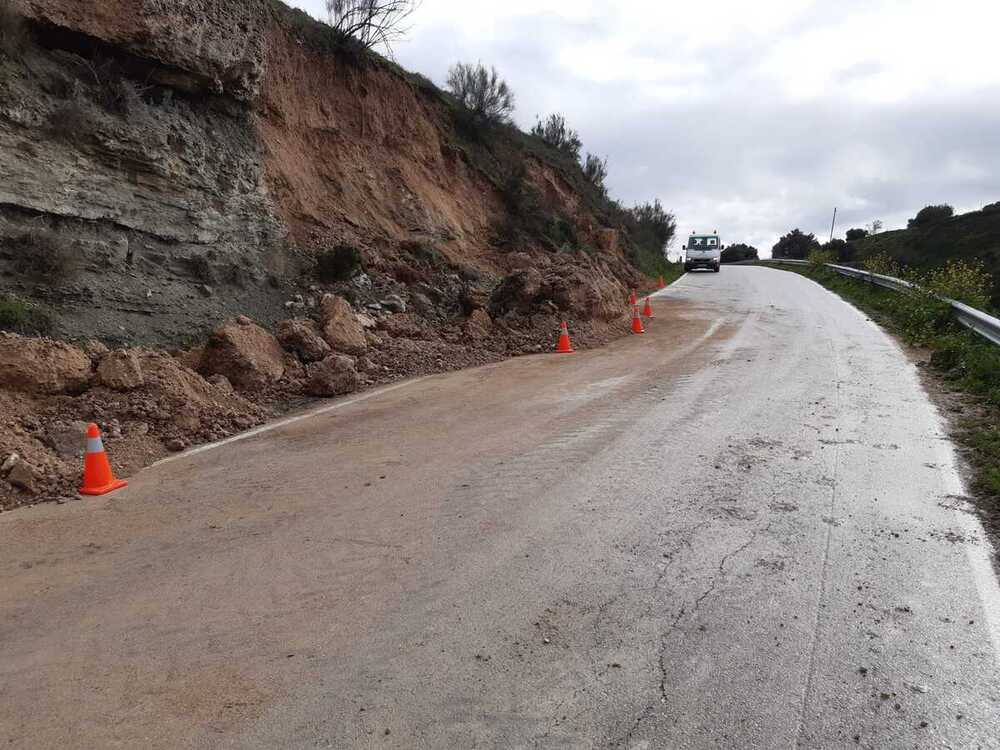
(974, 236)
(165, 167)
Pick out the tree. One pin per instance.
(555, 132)
(482, 92)
(595, 170)
(875, 226)
(654, 227)
(795, 244)
(372, 23)
(739, 251)
(839, 249)
(929, 215)
(853, 235)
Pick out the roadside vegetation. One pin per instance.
(935, 236)
(961, 360)
(739, 251)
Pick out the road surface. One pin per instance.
(743, 529)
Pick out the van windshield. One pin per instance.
(703, 243)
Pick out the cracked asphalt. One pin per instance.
(744, 529)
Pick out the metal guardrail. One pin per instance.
(975, 320)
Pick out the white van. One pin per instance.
(703, 251)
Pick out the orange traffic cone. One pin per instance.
(98, 479)
(661, 284)
(632, 300)
(564, 346)
(636, 320)
(648, 309)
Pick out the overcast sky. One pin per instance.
(750, 117)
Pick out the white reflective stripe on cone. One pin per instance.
(94, 445)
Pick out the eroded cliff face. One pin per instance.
(174, 162)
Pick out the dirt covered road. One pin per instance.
(743, 529)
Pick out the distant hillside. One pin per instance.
(971, 236)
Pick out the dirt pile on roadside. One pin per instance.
(150, 403)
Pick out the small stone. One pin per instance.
(206, 290)
(176, 445)
(243, 320)
(395, 303)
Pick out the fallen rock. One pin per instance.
(67, 439)
(245, 353)
(394, 303)
(23, 476)
(366, 321)
(221, 381)
(42, 366)
(474, 298)
(341, 328)
(479, 324)
(8, 463)
(334, 376)
(191, 358)
(95, 349)
(120, 371)
(301, 336)
(516, 292)
(404, 325)
(176, 445)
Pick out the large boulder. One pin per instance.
(517, 292)
(42, 366)
(302, 337)
(341, 328)
(334, 376)
(120, 371)
(245, 353)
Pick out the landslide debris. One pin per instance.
(218, 223)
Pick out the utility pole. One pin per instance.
(834, 224)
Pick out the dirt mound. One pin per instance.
(42, 366)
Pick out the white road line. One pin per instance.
(978, 555)
(290, 420)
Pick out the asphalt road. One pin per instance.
(743, 529)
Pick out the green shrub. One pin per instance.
(796, 244)
(482, 92)
(965, 281)
(820, 258)
(555, 132)
(929, 215)
(595, 170)
(23, 317)
(882, 264)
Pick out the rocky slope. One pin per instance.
(168, 166)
